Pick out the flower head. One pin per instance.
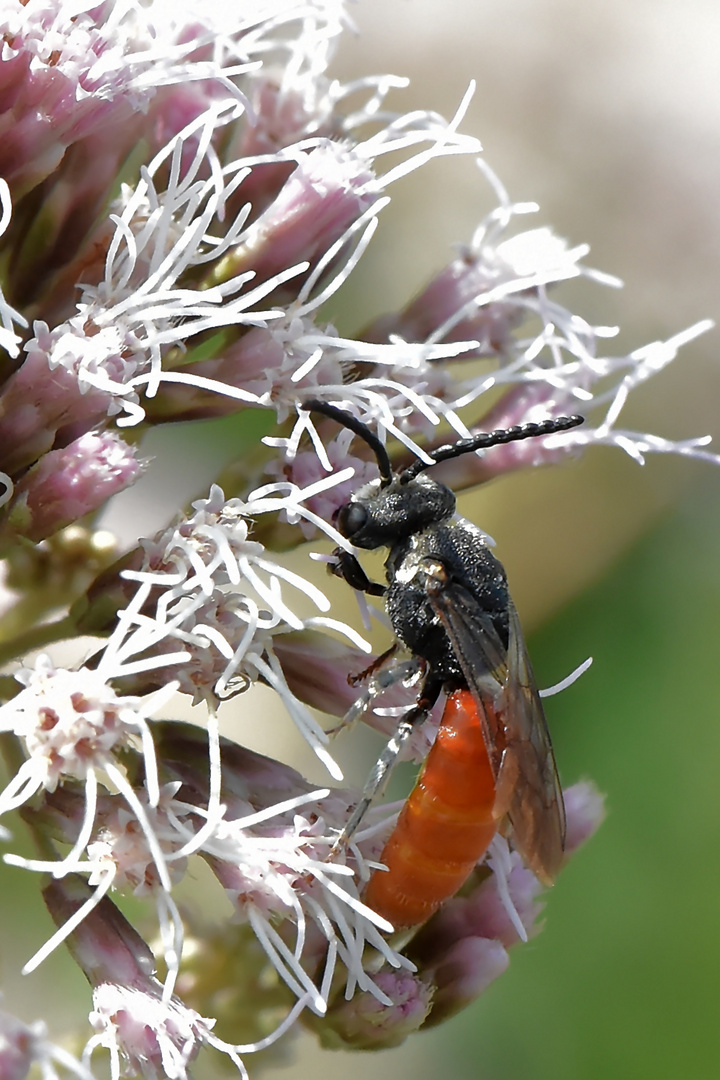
(70, 723)
(185, 188)
(24, 1045)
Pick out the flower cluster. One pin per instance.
(183, 187)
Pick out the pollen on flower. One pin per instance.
(70, 721)
(72, 724)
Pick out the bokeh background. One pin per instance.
(608, 115)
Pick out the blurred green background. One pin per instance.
(624, 981)
(608, 115)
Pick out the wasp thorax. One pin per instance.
(379, 516)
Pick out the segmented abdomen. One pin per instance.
(445, 826)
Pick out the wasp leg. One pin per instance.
(403, 672)
(406, 671)
(349, 569)
(379, 662)
(384, 765)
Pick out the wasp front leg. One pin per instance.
(349, 569)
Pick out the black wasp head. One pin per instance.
(398, 505)
(380, 514)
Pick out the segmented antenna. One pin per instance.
(346, 419)
(491, 438)
(463, 446)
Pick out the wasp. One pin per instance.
(492, 763)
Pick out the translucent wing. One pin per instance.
(535, 805)
(514, 726)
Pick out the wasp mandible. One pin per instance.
(448, 601)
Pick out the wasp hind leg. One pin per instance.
(380, 774)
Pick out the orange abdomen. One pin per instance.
(445, 826)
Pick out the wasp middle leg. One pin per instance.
(380, 773)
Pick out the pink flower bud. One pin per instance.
(95, 612)
(249, 364)
(466, 971)
(17, 1048)
(279, 118)
(317, 667)
(250, 781)
(38, 402)
(69, 483)
(487, 911)
(325, 194)
(585, 810)
(105, 945)
(366, 1023)
(449, 299)
(50, 96)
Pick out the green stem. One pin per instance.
(36, 637)
(10, 752)
(14, 759)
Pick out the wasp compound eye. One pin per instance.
(352, 518)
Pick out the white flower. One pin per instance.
(24, 1045)
(277, 862)
(210, 599)
(146, 1033)
(71, 723)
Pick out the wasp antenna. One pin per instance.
(492, 438)
(351, 422)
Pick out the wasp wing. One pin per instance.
(511, 713)
(479, 650)
(536, 806)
